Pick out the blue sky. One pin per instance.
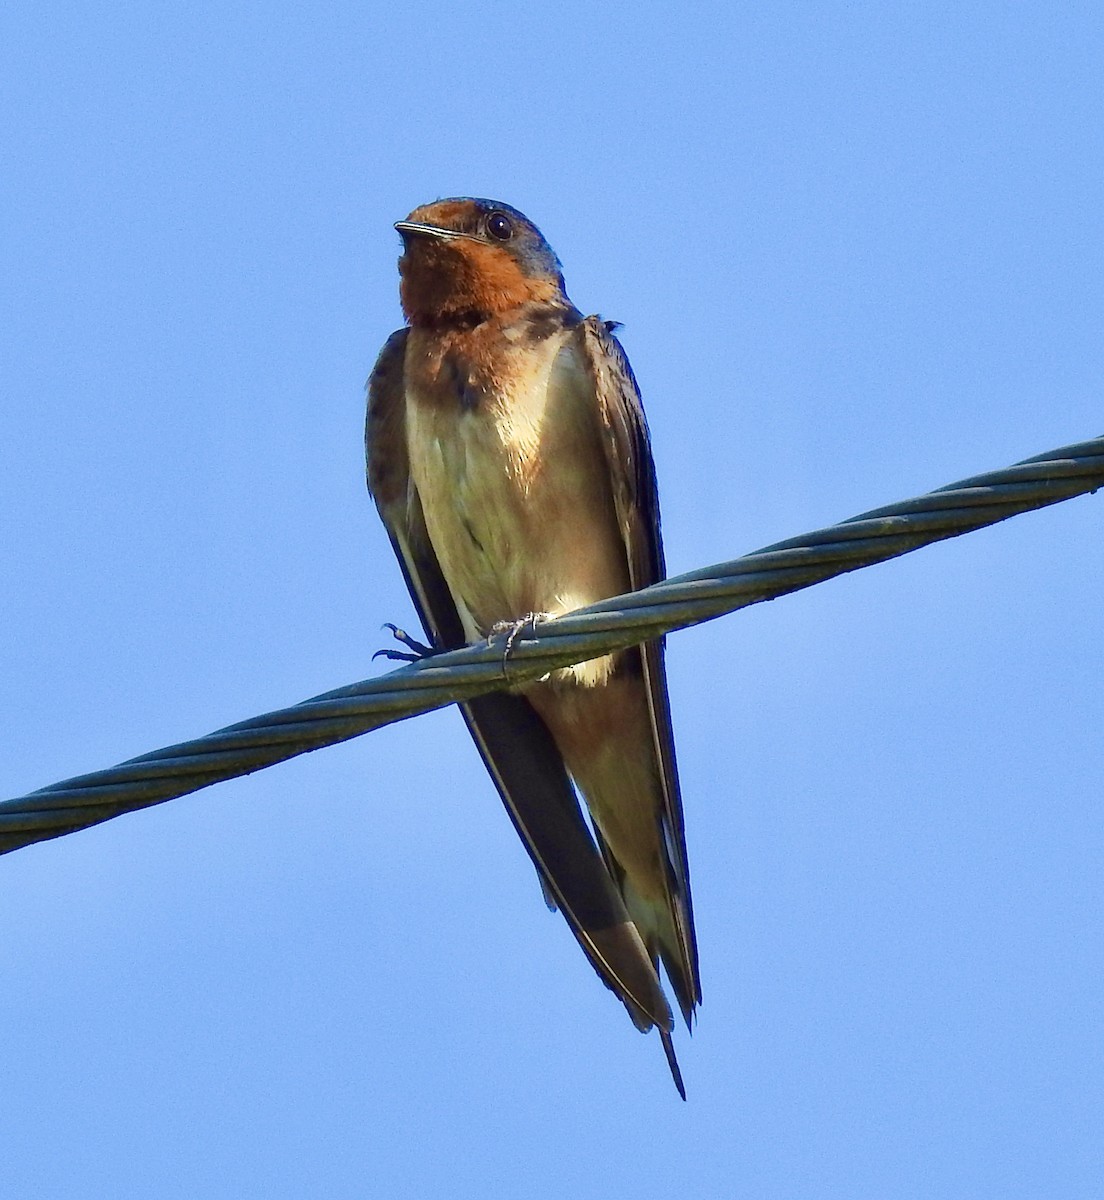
(856, 248)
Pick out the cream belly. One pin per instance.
(516, 496)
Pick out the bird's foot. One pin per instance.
(415, 651)
(513, 630)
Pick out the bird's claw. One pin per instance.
(415, 651)
(397, 656)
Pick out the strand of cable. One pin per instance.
(613, 624)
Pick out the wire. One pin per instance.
(621, 621)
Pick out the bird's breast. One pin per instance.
(507, 458)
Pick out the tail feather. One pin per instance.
(672, 1062)
(656, 921)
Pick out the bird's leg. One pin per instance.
(415, 651)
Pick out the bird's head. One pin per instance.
(466, 260)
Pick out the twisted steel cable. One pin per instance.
(621, 621)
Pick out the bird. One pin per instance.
(509, 458)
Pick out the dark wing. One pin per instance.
(515, 744)
(632, 471)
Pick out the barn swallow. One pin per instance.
(509, 458)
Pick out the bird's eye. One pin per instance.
(500, 227)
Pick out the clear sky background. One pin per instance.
(857, 251)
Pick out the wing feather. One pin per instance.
(632, 472)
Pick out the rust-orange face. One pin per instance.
(471, 259)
